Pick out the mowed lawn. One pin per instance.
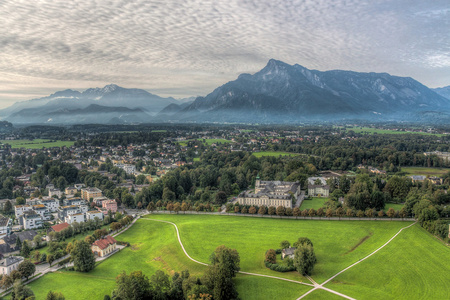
(415, 265)
(338, 244)
(274, 153)
(316, 203)
(425, 171)
(36, 143)
(153, 247)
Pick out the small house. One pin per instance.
(104, 246)
(288, 252)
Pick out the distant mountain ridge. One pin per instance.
(140, 103)
(291, 93)
(443, 91)
(279, 93)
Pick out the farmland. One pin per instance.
(338, 244)
(36, 143)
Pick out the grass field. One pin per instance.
(316, 203)
(153, 247)
(36, 144)
(414, 266)
(395, 206)
(370, 130)
(425, 171)
(159, 131)
(274, 153)
(338, 244)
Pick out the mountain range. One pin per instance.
(279, 93)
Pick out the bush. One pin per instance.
(279, 268)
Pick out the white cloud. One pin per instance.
(191, 47)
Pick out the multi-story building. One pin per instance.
(75, 218)
(51, 204)
(74, 201)
(98, 200)
(70, 190)
(271, 193)
(55, 193)
(91, 215)
(88, 193)
(110, 205)
(317, 187)
(5, 225)
(43, 211)
(31, 220)
(20, 209)
(64, 211)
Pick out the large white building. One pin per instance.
(271, 193)
(91, 215)
(51, 204)
(317, 187)
(31, 220)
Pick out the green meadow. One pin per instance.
(425, 171)
(337, 244)
(413, 266)
(36, 143)
(371, 130)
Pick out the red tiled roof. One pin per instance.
(59, 227)
(104, 243)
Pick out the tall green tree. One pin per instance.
(218, 278)
(55, 296)
(134, 286)
(26, 268)
(83, 257)
(304, 259)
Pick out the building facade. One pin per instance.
(271, 193)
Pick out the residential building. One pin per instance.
(68, 210)
(75, 218)
(91, 215)
(51, 204)
(88, 193)
(288, 252)
(271, 193)
(317, 187)
(74, 201)
(104, 246)
(70, 190)
(9, 264)
(20, 209)
(5, 225)
(55, 193)
(31, 220)
(79, 186)
(43, 211)
(110, 205)
(98, 200)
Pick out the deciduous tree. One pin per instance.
(83, 257)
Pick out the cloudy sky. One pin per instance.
(187, 48)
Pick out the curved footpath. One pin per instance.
(314, 284)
